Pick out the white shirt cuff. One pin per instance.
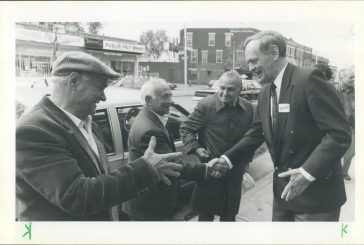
(307, 175)
(227, 160)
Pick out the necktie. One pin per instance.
(274, 106)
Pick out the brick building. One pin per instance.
(211, 51)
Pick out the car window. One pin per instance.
(102, 120)
(126, 118)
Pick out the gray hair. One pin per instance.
(267, 40)
(149, 88)
(233, 75)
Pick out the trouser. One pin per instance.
(285, 214)
(349, 154)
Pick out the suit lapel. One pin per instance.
(72, 129)
(284, 98)
(153, 117)
(103, 156)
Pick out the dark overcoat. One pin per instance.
(60, 178)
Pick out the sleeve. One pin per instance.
(190, 127)
(328, 113)
(190, 170)
(45, 162)
(250, 142)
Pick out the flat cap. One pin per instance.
(81, 62)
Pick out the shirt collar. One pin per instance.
(163, 118)
(78, 122)
(278, 80)
(220, 105)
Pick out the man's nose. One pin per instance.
(103, 96)
(251, 67)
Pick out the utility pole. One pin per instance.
(185, 56)
(233, 48)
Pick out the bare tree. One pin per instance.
(154, 42)
(55, 28)
(94, 27)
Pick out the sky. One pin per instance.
(327, 27)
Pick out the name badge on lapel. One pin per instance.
(283, 108)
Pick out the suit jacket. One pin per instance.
(160, 202)
(314, 135)
(59, 177)
(218, 128)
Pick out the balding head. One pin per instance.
(229, 87)
(156, 95)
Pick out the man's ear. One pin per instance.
(147, 99)
(74, 79)
(275, 52)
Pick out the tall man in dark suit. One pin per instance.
(158, 203)
(217, 123)
(61, 164)
(301, 119)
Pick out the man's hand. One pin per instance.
(217, 167)
(160, 162)
(296, 185)
(248, 182)
(202, 154)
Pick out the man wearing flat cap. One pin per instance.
(61, 164)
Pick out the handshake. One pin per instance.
(216, 168)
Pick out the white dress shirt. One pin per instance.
(278, 83)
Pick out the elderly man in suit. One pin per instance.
(217, 123)
(61, 164)
(160, 202)
(303, 123)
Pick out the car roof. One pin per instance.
(120, 96)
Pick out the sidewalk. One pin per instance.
(256, 204)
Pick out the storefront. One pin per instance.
(34, 51)
(120, 56)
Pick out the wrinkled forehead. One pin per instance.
(229, 82)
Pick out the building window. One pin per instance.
(239, 56)
(193, 71)
(204, 58)
(218, 56)
(212, 39)
(194, 56)
(228, 39)
(189, 39)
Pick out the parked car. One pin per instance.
(250, 90)
(115, 116)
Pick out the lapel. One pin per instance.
(284, 98)
(157, 122)
(73, 131)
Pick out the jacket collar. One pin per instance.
(220, 105)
